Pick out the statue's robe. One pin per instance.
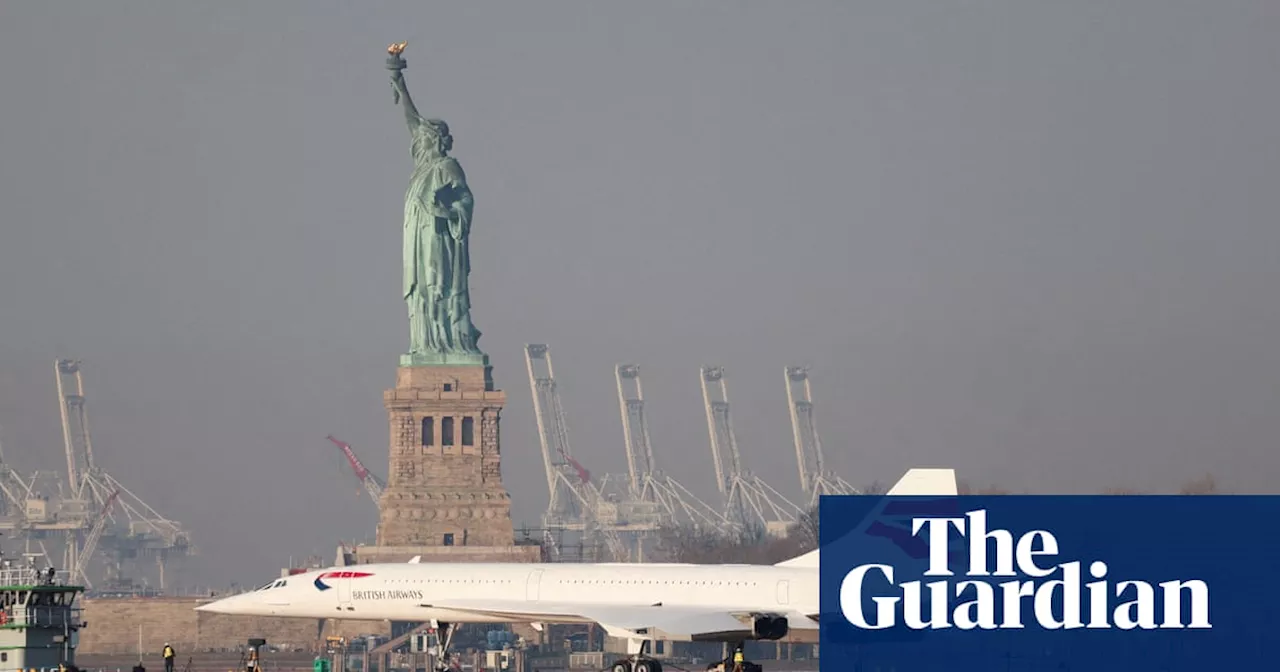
(437, 260)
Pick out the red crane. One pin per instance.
(372, 484)
(583, 474)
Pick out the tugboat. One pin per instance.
(40, 617)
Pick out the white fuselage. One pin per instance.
(409, 592)
(700, 600)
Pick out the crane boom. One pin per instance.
(566, 500)
(372, 484)
(91, 541)
(815, 479)
(75, 425)
(144, 533)
(575, 503)
(646, 482)
(635, 427)
(803, 427)
(749, 501)
(16, 490)
(724, 446)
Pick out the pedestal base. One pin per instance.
(444, 359)
(448, 516)
(444, 484)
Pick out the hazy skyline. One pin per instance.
(1034, 241)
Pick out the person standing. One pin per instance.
(169, 655)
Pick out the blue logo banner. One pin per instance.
(1052, 583)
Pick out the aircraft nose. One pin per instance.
(222, 606)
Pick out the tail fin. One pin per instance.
(914, 482)
(926, 482)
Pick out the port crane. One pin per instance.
(86, 509)
(371, 482)
(577, 504)
(646, 483)
(749, 501)
(140, 532)
(815, 479)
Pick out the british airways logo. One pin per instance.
(321, 585)
(897, 520)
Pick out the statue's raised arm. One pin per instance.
(396, 64)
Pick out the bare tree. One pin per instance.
(967, 488)
(876, 488)
(806, 528)
(1205, 485)
(683, 543)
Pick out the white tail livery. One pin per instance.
(915, 482)
(638, 602)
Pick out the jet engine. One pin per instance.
(770, 626)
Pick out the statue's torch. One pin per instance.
(396, 63)
(394, 60)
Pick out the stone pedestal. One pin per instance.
(444, 483)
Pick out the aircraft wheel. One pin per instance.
(648, 666)
(621, 666)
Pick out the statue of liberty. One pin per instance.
(437, 224)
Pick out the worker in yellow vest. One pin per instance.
(169, 654)
(738, 660)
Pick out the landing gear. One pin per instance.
(640, 662)
(638, 665)
(442, 652)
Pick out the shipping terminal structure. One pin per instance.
(617, 517)
(109, 539)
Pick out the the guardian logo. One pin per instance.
(1056, 603)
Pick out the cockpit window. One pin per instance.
(278, 583)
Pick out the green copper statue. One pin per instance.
(437, 225)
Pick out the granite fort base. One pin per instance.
(444, 487)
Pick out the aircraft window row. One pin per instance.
(573, 581)
(391, 581)
(656, 583)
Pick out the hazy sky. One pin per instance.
(1038, 242)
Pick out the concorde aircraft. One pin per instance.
(636, 602)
